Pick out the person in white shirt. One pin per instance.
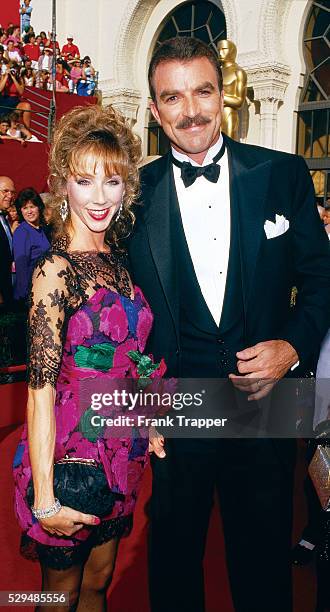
(224, 233)
(12, 54)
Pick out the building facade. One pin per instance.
(283, 45)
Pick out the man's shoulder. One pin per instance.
(259, 153)
(153, 166)
(151, 172)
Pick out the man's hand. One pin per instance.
(262, 365)
(156, 443)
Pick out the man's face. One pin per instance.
(188, 104)
(7, 192)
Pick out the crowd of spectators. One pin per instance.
(27, 59)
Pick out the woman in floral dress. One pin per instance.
(82, 304)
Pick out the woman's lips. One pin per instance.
(98, 215)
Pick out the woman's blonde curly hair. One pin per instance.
(82, 138)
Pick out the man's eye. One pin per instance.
(171, 99)
(204, 92)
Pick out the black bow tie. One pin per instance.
(190, 173)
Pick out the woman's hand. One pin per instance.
(156, 443)
(67, 521)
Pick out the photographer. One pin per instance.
(11, 92)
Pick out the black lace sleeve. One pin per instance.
(54, 295)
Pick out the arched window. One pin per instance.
(200, 19)
(313, 140)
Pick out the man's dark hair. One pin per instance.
(182, 49)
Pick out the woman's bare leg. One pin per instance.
(26, 114)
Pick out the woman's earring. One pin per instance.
(64, 210)
(119, 211)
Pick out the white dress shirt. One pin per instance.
(205, 213)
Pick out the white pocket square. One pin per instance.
(273, 230)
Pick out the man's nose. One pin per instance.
(191, 107)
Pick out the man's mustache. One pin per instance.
(188, 122)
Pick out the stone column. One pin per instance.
(269, 84)
(127, 101)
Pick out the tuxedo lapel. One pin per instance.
(158, 200)
(249, 181)
(248, 191)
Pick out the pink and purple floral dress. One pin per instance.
(80, 300)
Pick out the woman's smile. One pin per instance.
(98, 215)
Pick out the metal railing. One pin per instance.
(34, 119)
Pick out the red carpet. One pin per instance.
(129, 589)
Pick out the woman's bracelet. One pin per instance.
(42, 513)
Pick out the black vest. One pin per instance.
(208, 350)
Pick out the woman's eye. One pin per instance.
(82, 182)
(114, 182)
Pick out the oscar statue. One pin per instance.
(234, 84)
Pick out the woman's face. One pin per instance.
(4, 126)
(30, 213)
(94, 199)
(12, 214)
(10, 46)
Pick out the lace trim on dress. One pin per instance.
(62, 282)
(64, 557)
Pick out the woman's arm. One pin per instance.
(3, 81)
(45, 345)
(19, 85)
(42, 430)
(22, 254)
(48, 304)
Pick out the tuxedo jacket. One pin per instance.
(263, 183)
(5, 266)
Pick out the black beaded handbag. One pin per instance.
(81, 484)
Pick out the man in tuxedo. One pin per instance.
(7, 192)
(224, 232)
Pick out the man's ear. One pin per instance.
(155, 113)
